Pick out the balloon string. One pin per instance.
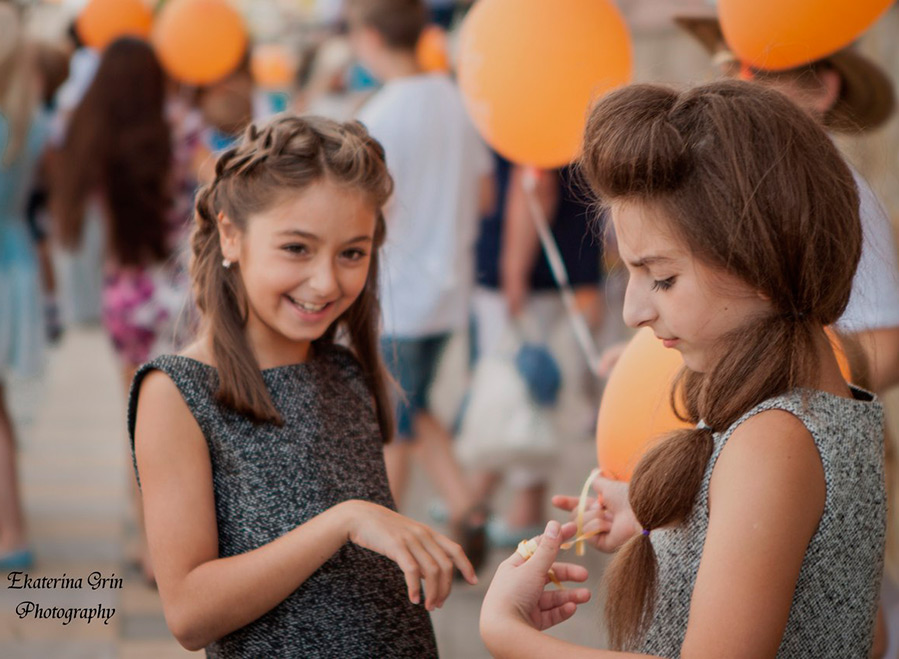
(559, 273)
(527, 548)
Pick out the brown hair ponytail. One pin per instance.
(751, 186)
(288, 154)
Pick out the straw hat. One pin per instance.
(866, 95)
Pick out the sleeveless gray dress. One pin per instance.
(835, 601)
(268, 480)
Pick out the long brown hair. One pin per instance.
(286, 155)
(752, 186)
(118, 143)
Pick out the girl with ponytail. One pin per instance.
(760, 532)
(259, 448)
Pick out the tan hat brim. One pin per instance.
(866, 96)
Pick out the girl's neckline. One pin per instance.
(271, 369)
(859, 395)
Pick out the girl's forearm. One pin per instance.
(225, 594)
(514, 639)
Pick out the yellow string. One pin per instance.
(527, 548)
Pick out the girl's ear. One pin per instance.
(229, 237)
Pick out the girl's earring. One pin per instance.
(226, 263)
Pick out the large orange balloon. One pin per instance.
(635, 408)
(104, 21)
(529, 70)
(782, 34)
(635, 405)
(199, 41)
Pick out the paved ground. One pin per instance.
(74, 465)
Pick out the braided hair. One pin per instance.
(288, 153)
(753, 187)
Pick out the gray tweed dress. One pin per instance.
(268, 480)
(834, 604)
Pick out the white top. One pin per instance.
(874, 302)
(437, 160)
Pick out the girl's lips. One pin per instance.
(670, 343)
(310, 315)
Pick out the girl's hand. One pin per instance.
(420, 552)
(609, 514)
(516, 594)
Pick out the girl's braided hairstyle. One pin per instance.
(284, 157)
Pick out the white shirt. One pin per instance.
(874, 301)
(437, 160)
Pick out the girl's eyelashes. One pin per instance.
(663, 284)
(354, 254)
(295, 248)
(299, 249)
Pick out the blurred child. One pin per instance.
(118, 162)
(22, 135)
(442, 173)
(738, 222)
(259, 448)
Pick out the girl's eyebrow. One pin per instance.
(313, 237)
(650, 260)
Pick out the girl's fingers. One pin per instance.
(429, 570)
(565, 502)
(445, 565)
(560, 614)
(411, 572)
(458, 557)
(553, 599)
(569, 572)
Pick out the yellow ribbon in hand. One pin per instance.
(527, 548)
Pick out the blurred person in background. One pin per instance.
(52, 63)
(516, 292)
(119, 162)
(22, 135)
(443, 184)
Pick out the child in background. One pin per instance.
(23, 133)
(739, 224)
(260, 447)
(442, 172)
(118, 163)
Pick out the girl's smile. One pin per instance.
(302, 263)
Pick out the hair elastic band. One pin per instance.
(646, 532)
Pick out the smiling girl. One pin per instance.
(260, 447)
(759, 532)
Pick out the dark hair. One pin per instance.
(399, 22)
(53, 65)
(286, 155)
(118, 143)
(752, 186)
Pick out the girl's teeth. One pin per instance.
(309, 307)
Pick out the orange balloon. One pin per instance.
(272, 66)
(782, 34)
(432, 51)
(529, 70)
(635, 405)
(635, 409)
(104, 21)
(199, 41)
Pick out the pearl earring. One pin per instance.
(226, 263)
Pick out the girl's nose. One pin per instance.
(324, 278)
(638, 308)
